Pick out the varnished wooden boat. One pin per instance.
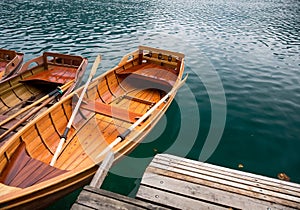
(10, 62)
(116, 100)
(34, 88)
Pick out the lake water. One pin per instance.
(240, 107)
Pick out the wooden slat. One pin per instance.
(94, 198)
(234, 187)
(114, 84)
(215, 184)
(12, 169)
(172, 200)
(78, 148)
(139, 101)
(103, 90)
(77, 206)
(23, 171)
(231, 174)
(204, 193)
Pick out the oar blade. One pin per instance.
(95, 65)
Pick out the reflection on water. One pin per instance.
(251, 48)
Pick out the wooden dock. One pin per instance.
(174, 182)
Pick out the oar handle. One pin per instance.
(65, 133)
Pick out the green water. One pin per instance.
(241, 103)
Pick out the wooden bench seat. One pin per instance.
(23, 171)
(151, 72)
(111, 111)
(55, 74)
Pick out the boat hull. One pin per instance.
(114, 101)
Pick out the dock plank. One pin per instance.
(278, 184)
(216, 185)
(203, 193)
(232, 185)
(95, 198)
(174, 201)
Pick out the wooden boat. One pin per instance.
(34, 88)
(113, 102)
(10, 62)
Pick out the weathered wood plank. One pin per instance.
(95, 198)
(205, 193)
(228, 187)
(77, 206)
(233, 173)
(228, 177)
(174, 201)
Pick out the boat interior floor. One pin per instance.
(23, 171)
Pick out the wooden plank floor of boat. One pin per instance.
(23, 171)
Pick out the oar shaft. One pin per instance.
(79, 103)
(62, 89)
(68, 127)
(46, 101)
(56, 154)
(64, 136)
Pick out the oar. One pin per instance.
(64, 136)
(55, 92)
(46, 101)
(122, 136)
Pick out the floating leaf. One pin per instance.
(283, 176)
